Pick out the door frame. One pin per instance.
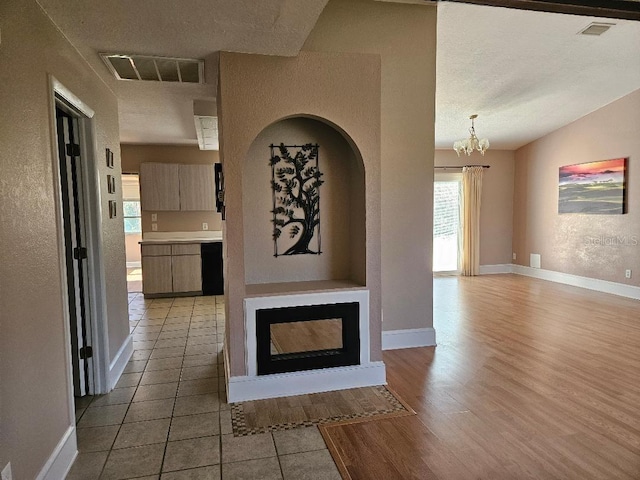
(97, 311)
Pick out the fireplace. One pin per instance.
(308, 337)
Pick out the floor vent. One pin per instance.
(154, 69)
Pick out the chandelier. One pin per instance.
(468, 145)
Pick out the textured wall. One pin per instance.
(134, 155)
(405, 38)
(595, 246)
(496, 214)
(337, 218)
(34, 412)
(256, 91)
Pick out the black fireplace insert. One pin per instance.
(291, 339)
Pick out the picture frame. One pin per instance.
(111, 184)
(109, 158)
(596, 188)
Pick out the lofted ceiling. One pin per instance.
(524, 73)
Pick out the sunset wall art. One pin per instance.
(594, 187)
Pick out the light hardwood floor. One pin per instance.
(530, 380)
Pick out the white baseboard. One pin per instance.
(62, 458)
(408, 338)
(137, 264)
(604, 286)
(119, 363)
(240, 389)
(496, 269)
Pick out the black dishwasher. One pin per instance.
(212, 278)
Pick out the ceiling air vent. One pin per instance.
(207, 132)
(154, 69)
(596, 28)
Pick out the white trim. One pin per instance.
(251, 305)
(621, 289)
(137, 264)
(119, 362)
(97, 310)
(241, 389)
(496, 269)
(408, 338)
(63, 456)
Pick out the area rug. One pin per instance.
(343, 406)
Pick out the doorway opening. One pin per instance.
(132, 230)
(447, 227)
(72, 188)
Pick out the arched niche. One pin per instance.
(342, 207)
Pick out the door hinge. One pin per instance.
(73, 150)
(79, 253)
(86, 352)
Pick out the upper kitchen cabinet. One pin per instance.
(159, 186)
(197, 188)
(168, 186)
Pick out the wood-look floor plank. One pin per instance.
(530, 380)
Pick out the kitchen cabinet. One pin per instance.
(174, 187)
(159, 187)
(157, 276)
(171, 268)
(197, 187)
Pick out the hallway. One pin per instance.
(168, 414)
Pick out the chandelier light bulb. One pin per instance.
(468, 145)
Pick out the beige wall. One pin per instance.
(405, 38)
(338, 225)
(496, 212)
(132, 245)
(134, 155)
(34, 374)
(255, 92)
(577, 243)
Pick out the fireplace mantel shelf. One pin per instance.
(271, 289)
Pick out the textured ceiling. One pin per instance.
(151, 113)
(526, 73)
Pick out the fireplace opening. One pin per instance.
(291, 339)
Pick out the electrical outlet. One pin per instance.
(627, 273)
(154, 227)
(205, 226)
(6, 472)
(514, 255)
(154, 217)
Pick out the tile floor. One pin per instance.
(168, 418)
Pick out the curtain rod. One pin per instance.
(462, 166)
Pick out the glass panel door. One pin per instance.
(446, 224)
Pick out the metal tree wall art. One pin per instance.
(295, 184)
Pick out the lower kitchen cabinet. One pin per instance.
(156, 275)
(186, 271)
(178, 268)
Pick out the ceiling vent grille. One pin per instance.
(154, 69)
(596, 28)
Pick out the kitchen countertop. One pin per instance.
(163, 238)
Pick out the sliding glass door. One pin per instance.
(446, 222)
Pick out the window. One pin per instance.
(132, 214)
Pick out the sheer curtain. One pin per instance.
(472, 194)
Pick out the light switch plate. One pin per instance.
(205, 226)
(154, 217)
(154, 227)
